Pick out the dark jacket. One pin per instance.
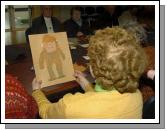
(71, 27)
(39, 26)
(107, 20)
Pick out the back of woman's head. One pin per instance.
(117, 59)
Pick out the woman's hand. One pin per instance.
(36, 84)
(80, 78)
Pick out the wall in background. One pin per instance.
(19, 17)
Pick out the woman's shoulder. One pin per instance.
(91, 94)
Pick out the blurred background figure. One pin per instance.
(146, 18)
(109, 18)
(129, 21)
(128, 15)
(44, 23)
(75, 26)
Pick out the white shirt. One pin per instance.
(79, 22)
(49, 25)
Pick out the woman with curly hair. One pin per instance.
(116, 62)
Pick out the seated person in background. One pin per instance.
(148, 19)
(18, 103)
(147, 83)
(149, 103)
(128, 20)
(116, 62)
(109, 18)
(128, 15)
(75, 26)
(148, 22)
(45, 23)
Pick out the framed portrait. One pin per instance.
(51, 58)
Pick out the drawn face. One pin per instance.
(50, 47)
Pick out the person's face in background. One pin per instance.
(110, 8)
(46, 10)
(76, 15)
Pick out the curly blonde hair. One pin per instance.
(117, 59)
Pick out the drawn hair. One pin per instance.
(117, 59)
(48, 38)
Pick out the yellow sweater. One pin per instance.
(107, 105)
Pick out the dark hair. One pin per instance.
(75, 8)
